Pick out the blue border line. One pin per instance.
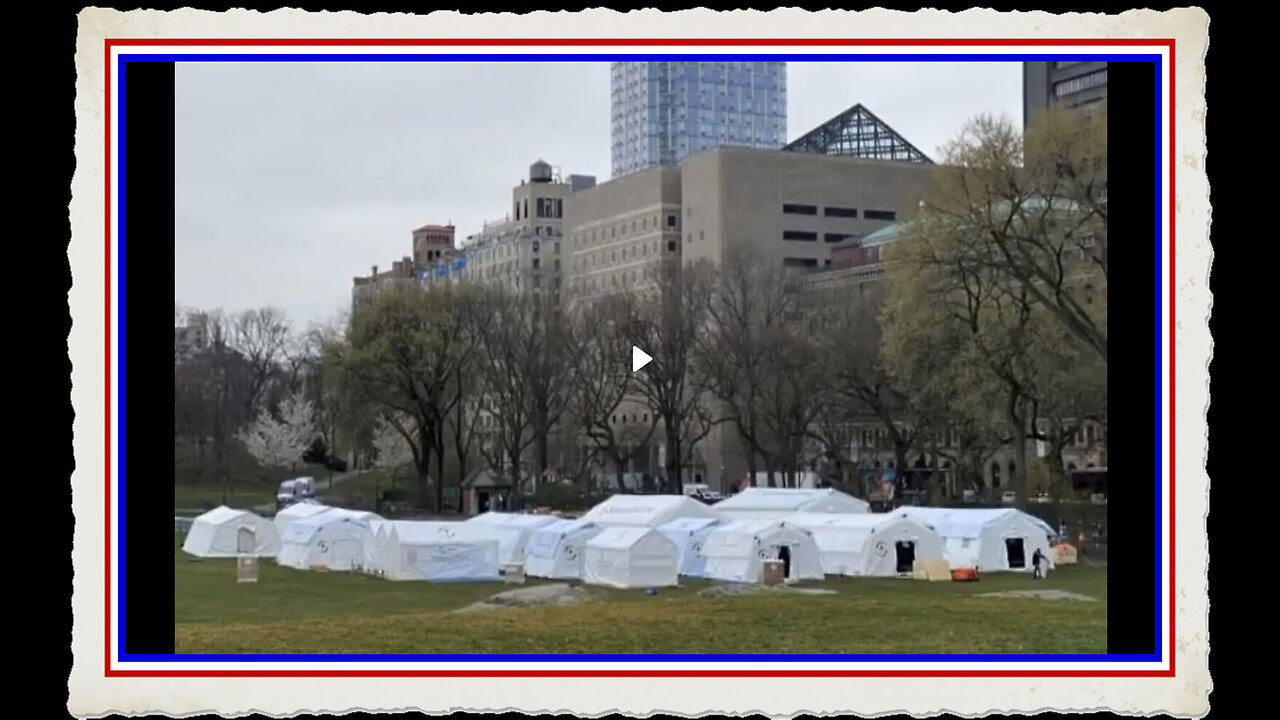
(119, 455)
(1160, 340)
(473, 658)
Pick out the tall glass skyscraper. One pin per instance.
(665, 111)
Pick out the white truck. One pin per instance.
(701, 492)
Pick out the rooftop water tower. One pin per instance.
(540, 172)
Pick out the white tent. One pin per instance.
(513, 531)
(555, 550)
(876, 544)
(376, 548)
(758, 503)
(338, 540)
(631, 557)
(440, 552)
(990, 539)
(647, 510)
(689, 534)
(735, 551)
(297, 511)
(224, 532)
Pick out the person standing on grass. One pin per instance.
(1036, 571)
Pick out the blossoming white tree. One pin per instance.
(282, 442)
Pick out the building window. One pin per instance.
(835, 237)
(702, 235)
(880, 215)
(833, 211)
(671, 221)
(557, 263)
(793, 209)
(1078, 84)
(799, 235)
(557, 248)
(671, 246)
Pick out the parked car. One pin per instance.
(1041, 497)
(1008, 497)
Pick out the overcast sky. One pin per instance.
(291, 178)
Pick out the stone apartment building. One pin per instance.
(364, 290)
(192, 338)
(525, 250)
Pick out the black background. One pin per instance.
(1133, 446)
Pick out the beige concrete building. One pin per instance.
(794, 206)
(619, 231)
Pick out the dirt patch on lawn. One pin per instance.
(734, 589)
(1041, 594)
(538, 595)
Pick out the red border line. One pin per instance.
(1168, 43)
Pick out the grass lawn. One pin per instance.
(245, 489)
(292, 611)
(194, 499)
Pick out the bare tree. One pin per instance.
(793, 392)
(507, 341)
(667, 322)
(260, 337)
(604, 382)
(855, 370)
(743, 347)
(466, 386)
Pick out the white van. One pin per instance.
(295, 490)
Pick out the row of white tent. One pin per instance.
(637, 540)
